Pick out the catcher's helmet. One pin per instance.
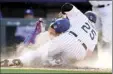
(91, 16)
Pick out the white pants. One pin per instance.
(104, 22)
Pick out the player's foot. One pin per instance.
(11, 63)
(16, 62)
(4, 63)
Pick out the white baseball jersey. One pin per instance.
(67, 45)
(83, 28)
(96, 3)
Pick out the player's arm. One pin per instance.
(70, 10)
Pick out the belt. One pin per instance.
(101, 6)
(83, 44)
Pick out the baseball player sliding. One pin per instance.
(77, 41)
(53, 31)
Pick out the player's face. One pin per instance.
(51, 31)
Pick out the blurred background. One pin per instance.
(18, 18)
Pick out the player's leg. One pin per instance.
(39, 55)
(24, 59)
(107, 33)
(98, 26)
(106, 44)
(27, 57)
(107, 26)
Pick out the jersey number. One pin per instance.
(86, 27)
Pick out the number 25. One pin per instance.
(87, 28)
